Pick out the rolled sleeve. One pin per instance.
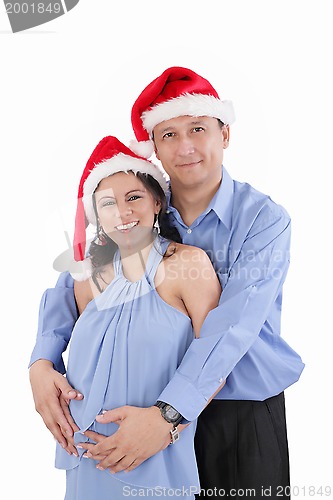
(57, 316)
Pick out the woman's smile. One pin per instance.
(125, 228)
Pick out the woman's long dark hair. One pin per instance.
(101, 255)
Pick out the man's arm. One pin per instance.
(255, 280)
(57, 316)
(51, 391)
(253, 284)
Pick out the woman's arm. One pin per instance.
(198, 285)
(200, 291)
(83, 292)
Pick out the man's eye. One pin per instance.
(168, 134)
(198, 129)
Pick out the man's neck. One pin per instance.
(191, 202)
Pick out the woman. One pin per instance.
(144, 300)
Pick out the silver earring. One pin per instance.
(101, 236)
(157, 226)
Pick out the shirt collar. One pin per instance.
(221, 202)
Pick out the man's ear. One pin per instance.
(226, 136)
(156, 152)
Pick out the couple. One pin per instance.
(159, 357)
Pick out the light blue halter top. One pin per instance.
(125, 347)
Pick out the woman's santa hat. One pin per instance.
(176, 92)
(109, 157)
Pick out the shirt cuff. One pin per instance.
(50, 348)
(184, 397)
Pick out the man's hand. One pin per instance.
(142, 433)
(52, 393)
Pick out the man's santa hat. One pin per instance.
(109, 157)
(176, 92)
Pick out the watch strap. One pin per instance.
(174, 435)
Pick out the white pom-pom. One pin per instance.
(81, 271)
(145, 149)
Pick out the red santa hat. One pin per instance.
(109, 157)
(176, 92)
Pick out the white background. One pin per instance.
(68, 83)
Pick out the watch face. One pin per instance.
(171, 413)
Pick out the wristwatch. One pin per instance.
(169, 413)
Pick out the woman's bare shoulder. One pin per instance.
(187, 254)
(83, 291)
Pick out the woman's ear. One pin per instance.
(158, 206)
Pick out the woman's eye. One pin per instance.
(108, 203)
(134, 197)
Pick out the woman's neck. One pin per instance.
(134, 259)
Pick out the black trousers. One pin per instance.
(242, 449)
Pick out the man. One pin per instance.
(241, 439)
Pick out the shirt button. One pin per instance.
(220, 380)
(189, 231)
(167, 211)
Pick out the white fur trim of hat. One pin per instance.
(188, 105)
(118, 163)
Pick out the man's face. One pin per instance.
(191, 149)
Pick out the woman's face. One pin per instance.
(126, 209)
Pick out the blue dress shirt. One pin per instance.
(247, 237)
